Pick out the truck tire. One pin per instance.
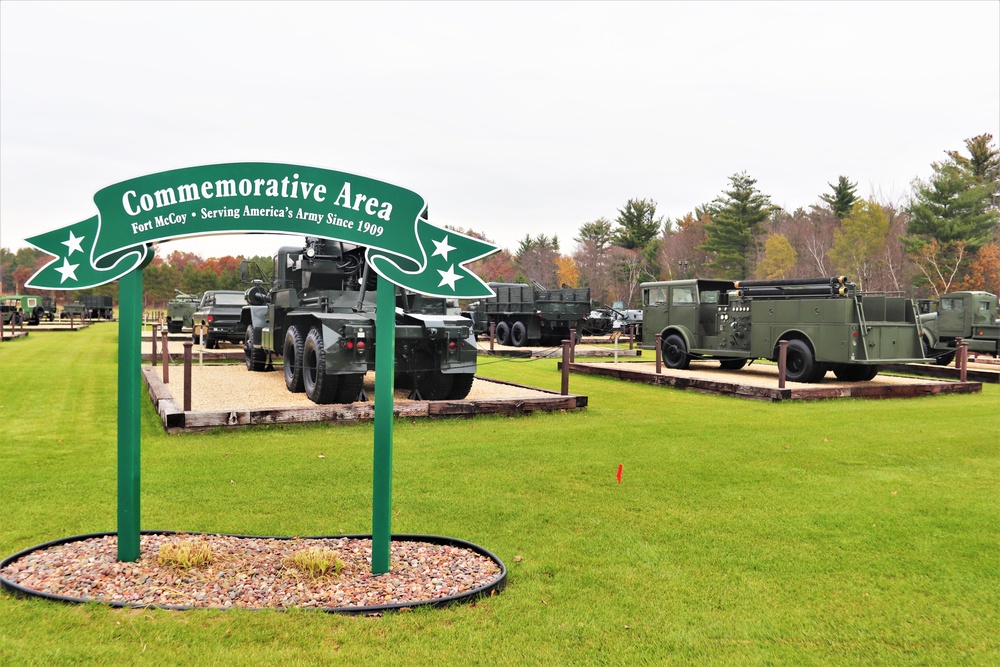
(675, 353)
(292, 354)
(349, 387)
(801, 365)
(320, 387)
(518, 334)
(461, 387)
(855, 372)
(502, 333)
(945, 359)
(255, 358)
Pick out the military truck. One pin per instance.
(30, 309)
(829, 325)
(219, 313)
(181, 309)
(317, 312)
(530, 314)
(90, 307)
(971, 316)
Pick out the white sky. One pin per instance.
(510, 118)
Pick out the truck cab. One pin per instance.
(969, 315)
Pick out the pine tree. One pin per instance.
(637, 224)
(732, 235)
(843, 198)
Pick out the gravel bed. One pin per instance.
(233, 387)
(252, 572)
(766, 375)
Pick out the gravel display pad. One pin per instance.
(255, 573)
(233, 387)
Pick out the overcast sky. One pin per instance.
(508, 118)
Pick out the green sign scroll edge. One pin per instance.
(262, 197)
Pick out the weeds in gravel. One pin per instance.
(184, 554)
(315, 562)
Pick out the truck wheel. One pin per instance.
(292, 354)
(349, 387)
(426, 378)
(945, 358)
(461, 386)
(518, 334)
(255, 358)
(502, 333)
(675, 352)
(801, 365)
(320, 387)
(854, 372)
(732, 364)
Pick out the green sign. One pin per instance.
(262, 197)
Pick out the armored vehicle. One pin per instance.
(530, 314)
(971, 316)
(180, 311)
(30, 309)
(219, 313)
(828, 323)
(616, 317)
(317, 312)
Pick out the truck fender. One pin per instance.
(683, 332)
(255, 315)
(792, 334)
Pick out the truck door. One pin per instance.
(951, 316)
(684, 309)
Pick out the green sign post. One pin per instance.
(403, 248)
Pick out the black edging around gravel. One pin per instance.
(495, 587)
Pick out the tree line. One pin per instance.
(945, 237)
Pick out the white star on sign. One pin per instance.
(74, 243)
(449, 277)
(67, 270)
(442, 248)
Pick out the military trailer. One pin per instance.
(219, 315)
(317, 312)
(530, 314)
(181, 309)
(971, 316)
(30, 309)
(828, 323)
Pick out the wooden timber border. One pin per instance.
(176, 420)
(705, 384)
(947, 372)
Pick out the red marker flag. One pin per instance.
(619, 475)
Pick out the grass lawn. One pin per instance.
(819, 533)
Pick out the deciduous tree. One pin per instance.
(859, 244)
(779, 258)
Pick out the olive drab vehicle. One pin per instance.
(828, 323)
(32, 310)
(317, 311)
(530, 314)
(971, 316)
(180, 310)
